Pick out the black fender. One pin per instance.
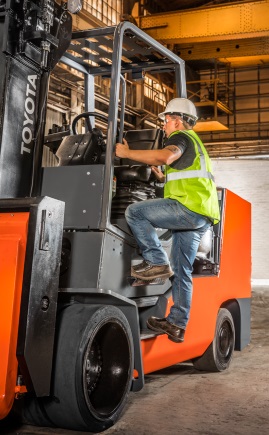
(240, 311)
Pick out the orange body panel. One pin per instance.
(13, 236)
(209, 293)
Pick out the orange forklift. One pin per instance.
(73, 334)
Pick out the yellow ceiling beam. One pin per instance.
(233, 48)
(245, 60)
(243, 20)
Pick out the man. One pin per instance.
(189, 208)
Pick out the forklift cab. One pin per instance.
(111, 53)
(87, 163)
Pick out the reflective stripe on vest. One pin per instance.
(198, 173)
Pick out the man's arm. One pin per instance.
(165, 156)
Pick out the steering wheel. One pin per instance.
(86, 115)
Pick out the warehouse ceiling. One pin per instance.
(236, 33)
(216, 36)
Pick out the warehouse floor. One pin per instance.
(181, 400)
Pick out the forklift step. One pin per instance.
(147, 333)
(139, 282)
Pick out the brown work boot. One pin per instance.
(174, 332)
(147, 271)
(140, 266)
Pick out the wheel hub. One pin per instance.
(106, 370)
(224, 342)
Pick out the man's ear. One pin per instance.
(179, 120)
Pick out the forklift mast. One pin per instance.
(33, 35)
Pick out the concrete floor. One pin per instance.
(181, 400)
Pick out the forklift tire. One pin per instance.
(34, 411)
(93, 370)
(219, 354)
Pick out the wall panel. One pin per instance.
(250, 180)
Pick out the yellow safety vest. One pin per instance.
(194, 186)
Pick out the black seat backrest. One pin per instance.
(148, 139)
(81, 149)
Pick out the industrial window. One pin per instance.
(154, 91)
(106, 11)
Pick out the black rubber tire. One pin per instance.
(34, 411)
(218, 355)
(93, 370)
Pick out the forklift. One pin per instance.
(73, 334)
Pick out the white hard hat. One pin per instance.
(180, 106)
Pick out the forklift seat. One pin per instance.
(148, 139)
(81, 149)
(134, 178)
(131, 170)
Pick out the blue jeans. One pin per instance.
(187, 229)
